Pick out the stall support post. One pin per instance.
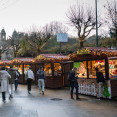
(71, 65)
(35, 71)
(106, 68)
(91, 65)
(63, 75)
(52, 67)
(87, 70)
(60, 46)
(23, 72)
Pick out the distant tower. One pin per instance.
(15, 37)
(3, 37)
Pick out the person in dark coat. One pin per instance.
(41, 79)
(73, 82)
(100, 82)
(17, 77)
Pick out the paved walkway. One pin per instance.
(37, 105)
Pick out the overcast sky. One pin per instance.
(22, 14)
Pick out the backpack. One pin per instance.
(40, 75)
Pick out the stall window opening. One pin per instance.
(20, 68)
(100, 64)
(48, 69)
(112, 69)
(86, 69)
(81, 69)
(57, 69)
(26, 67)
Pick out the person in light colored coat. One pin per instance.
(30, 78)
(4, 79)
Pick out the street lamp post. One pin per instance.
(96, 24)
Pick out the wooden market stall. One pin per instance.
(52, 64)
(21, 63)
(113, 75)
(86, 60)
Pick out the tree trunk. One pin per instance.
(15, 54)
(38, 51)
(0, 56)
(81, 45)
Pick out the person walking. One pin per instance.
(41, 79)
(4, 81)
(100, 83)
(12, 72)
(30, 78)
(17, 77)
(73, 82)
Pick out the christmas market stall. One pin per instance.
(113, 75)
(86, 60)
(53, 65)
(21, 63)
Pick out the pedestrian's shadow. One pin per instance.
(82, 99)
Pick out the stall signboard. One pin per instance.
(62, 37)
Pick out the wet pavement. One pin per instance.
(49, 105)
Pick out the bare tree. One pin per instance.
(2, 50)
(24, 46)
(111, 17)
(58, 27)
(83, 20)
(37, 38)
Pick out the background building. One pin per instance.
(2, 38)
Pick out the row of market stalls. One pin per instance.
(57, 68)
(53, 67)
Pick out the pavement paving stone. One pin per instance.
(25, 113)
(37, 105)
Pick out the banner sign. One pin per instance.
(62, 37)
